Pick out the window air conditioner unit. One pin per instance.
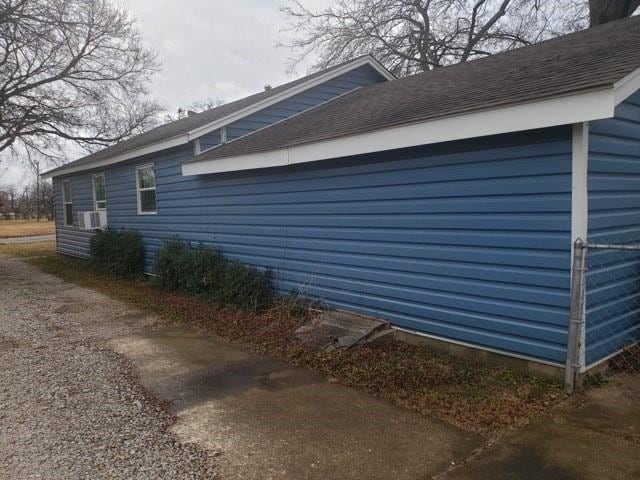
(92, 220)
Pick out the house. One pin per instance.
(446, 202)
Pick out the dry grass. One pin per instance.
(33, 249)
(488, 400)
(25, 228)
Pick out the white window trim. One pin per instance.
(93, 185)
(154, 188)
(66, 201)
(223, 135)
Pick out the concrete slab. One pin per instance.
(593, 436)
(338, 329)
(272, 421)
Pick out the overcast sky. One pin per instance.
(208, 48)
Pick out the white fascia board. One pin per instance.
(138, 152)
(288, 93)
(627, 86)
(565, 110)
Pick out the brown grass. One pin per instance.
(25, 228)
(32, 249)
(479, 398)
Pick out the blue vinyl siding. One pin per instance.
(359, 77)
(73, 241)
(468, 240)
(210, 140)
(613, 302)
(70, 240)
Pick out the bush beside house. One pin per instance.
(119, 253)
(206, 272)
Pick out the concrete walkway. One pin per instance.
(32, 239)
(267, 420)
(262, 418)
(271, 420)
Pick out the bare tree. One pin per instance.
(195, 107)
(603, 11)
(71, 71)
(409, 36)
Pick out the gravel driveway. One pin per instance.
(70, 407)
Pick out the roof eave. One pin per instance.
(549, 112)
(366, 60)
(131, 154)
(203, 130)
(627, 86)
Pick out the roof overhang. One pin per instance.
(563, 110)
(204, 129)
(138, 152)
(367, 60)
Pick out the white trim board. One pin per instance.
(579, 167)
(627, 86)
(204, 129)
(564, 110)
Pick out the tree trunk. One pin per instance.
(603, 11)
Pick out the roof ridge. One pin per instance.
(519, 50)
(585, 61)
(297, 114)
(170, 134)
(289, 83)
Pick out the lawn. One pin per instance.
(25, 228)
(485, 399)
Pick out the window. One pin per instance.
(146, 185)
(99, 192)
(67, 202)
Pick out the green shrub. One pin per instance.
(119, 253)
(206, 272)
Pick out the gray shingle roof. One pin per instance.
(590, 59)
(185, 125)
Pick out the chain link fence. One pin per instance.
(604, 331)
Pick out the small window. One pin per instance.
(99, 192)
(146, 185)
(67, 202)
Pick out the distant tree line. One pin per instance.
(31, 202)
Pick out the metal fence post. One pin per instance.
(576, 315)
